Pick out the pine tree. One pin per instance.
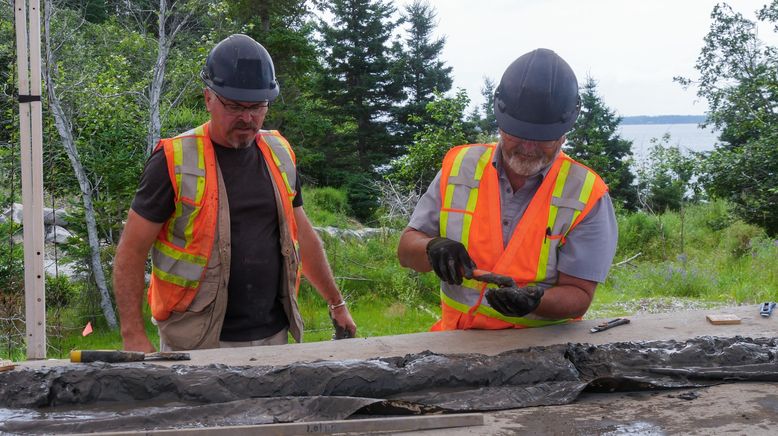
(358, 87)
(485, 126)
(419, 68)
(595, 143)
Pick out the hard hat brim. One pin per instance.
(531, 131)
(245, 95)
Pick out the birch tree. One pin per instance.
(63, 126)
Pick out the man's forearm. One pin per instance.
(128, 285)
(412, 250)
(569, 298)
(315, 266)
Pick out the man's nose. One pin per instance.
(245, 116)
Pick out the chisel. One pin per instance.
(118, 356)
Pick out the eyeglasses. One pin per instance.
(237, 109)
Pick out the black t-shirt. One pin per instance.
(253, 308)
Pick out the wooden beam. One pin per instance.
(355, 426)
(28, 41)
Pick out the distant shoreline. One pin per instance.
(664, 119)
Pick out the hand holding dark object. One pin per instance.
(513, 301)
(340, 331)
(341, 321)
(449, 260)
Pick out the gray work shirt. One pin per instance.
(589, 248)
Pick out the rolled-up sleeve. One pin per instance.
(590, 246)
(426, 216)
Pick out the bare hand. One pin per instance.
(138, 342)
(343, 323)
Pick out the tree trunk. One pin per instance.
(63, 128)
(155, 89)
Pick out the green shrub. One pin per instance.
(736, 240)
(327, 207)
(638, 232)
(60, 291)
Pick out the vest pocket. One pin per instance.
(195, 327)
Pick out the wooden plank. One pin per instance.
(723, 319)
(354, 426)
(6, 365)
(31, 139)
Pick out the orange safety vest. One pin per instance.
(470, 214)
(183, 246)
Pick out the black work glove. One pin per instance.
(450, 260)
(514, 301)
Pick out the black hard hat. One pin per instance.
(240, 69)
(537, 98)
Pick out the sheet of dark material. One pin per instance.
(183, 396)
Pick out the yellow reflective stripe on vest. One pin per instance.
(462, 192)
(449, 195)
(472, 198)
(572, 191)
(545, 249)
(491, 313)
(586, 192)
(282, 157)
(189, 171)
(177, 267)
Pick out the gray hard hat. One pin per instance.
(240, 69)
(537, 98)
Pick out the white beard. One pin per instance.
(526, 166)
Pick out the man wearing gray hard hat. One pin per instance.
(220, 209)
(519, 214)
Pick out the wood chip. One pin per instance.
(723, 319)
(6, 365)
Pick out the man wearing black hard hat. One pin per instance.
(520, 208)
(220, 209)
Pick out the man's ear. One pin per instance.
(208, 98)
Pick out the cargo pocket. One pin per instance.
(193, 328)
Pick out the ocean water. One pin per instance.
(689, 137)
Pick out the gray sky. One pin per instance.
(633, 48)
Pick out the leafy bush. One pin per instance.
(737, 239)
(11, 263)
(638, 232)
(327, 207)
(60, 291)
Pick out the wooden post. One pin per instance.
(28, 51)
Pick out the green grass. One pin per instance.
(719, 261)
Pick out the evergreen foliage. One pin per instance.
(595, 142)
(485, 125)
(419, 69)
(358, 89)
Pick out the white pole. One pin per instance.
(31, 138)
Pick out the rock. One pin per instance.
(364, 233)
(54, 217)
(57, 234)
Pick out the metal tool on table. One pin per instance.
(766, 309)
(609, 324)
(119, 356)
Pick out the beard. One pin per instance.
(242, 138)
(527, 163)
